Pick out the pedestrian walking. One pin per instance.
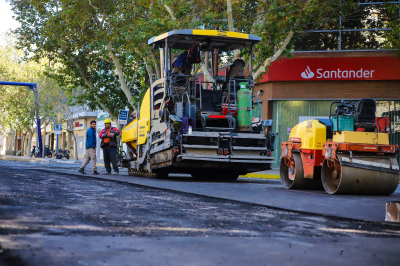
(109, 145)
(91, 142)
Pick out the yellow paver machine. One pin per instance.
(349, 153)
(189, 124)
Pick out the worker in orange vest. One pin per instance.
(109, 144)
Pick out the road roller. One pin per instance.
(347, 153)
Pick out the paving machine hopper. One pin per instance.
(349, 153)
(190, 124)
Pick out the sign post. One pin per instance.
(123, 117)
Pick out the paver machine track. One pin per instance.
(349, 153)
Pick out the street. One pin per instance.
(50, 218)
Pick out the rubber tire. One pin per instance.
(37, 154)
(67, 157)
(299, 181)
(59, 157)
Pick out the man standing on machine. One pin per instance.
(109, 144)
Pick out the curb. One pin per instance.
(263, 176)
(251, 175)
(57, 161)
(41, 159)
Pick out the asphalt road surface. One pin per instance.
(50, 218)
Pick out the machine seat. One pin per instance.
(211, 100)
(365, 114)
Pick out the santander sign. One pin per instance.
(338, 74)
(334, 69)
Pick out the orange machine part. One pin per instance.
(393, 149)
(311, 158)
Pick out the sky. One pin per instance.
(6, 20)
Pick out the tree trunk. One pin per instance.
(207, 59)
(37, 136)
(10, 141)
(282, 47)
(44, 138)
(71, 131)
(29, 143)
(206, 73)
(23, 144)
(156, 65)
(271, 59)
(122, 81)
(75, 146)
(149, 69)
(236, 53)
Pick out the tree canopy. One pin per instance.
(101, 45)
(17, 104)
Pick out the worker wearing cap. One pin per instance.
(109, 144)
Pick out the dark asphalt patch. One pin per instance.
(39, 202)
(44, 205)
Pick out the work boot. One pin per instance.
(106, 173)
(82, 171)
(115, 173)
(95, 172)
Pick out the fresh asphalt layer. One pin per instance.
(263, 192)
(59, 218)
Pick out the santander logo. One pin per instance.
(338, 74)
(307, 74)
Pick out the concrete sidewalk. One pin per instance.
(268, 174)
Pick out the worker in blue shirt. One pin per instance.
(90, 149)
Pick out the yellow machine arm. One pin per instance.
(130, 134)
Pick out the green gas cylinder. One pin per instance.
(244, 103)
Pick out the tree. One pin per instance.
(18, 103)
(95, 44)
(391, 16)
(278, 22)
(102, 44)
